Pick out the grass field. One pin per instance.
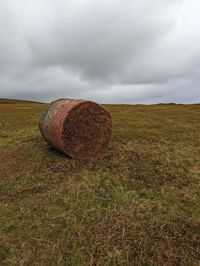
(137, 205)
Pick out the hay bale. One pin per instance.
(78, 128)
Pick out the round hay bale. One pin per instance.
(78, 128)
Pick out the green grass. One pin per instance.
(137, 205)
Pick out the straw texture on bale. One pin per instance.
(78, 128)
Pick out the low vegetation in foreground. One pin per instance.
(139, 204)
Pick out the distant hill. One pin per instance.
(14, 101)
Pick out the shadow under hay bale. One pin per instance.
(78, 128)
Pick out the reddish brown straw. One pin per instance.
(80, 129)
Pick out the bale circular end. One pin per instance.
(80, 129)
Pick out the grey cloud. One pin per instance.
(98, 40)
(108, 51)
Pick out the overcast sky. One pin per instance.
(118, 51)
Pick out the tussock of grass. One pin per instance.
(137, 205)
